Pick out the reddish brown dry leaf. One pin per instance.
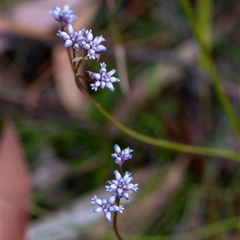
(15, 186)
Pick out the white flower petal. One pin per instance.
(66, 7)
(126, 195)
(110, 86)
(98, 209)
(103, 84)
(114, 155)
(117, 149)
(117, 175)
(68, 43)
(121, 208)
(113, 79)
(119, 192)
(112, 199)
(103, 65)
(70, 28)
(100, 48)
(86, 46)
(113, 187)
(108, 216)
(130, 186)
(96, 76)
(89, 35)
(99, 201)
(110, 73)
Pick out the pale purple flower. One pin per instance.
(72, 38)
(64, 16)
(93, 45)
(121, 155)
(103, 78)
(107, 206)
(122, 186)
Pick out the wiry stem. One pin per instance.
(115, 221)
(214, 152)
(154, 141)
(141, 137)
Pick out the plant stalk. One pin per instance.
(214, 152)
(115, 221)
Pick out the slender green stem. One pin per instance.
(159, 142)
(154, 141)
(211, 67)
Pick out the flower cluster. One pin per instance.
(72, 38)
(121, 155)
(103, 78)
(84, 39)
(107, 206)
(120, 187)
(87, 42)
(65, 16)
(93, 45)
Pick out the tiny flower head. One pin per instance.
(92, 46)
(107, 206)
(121, 185)
(71, 38)
(64, 16)
(103, 78)
(121, 155)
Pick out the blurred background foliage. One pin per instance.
(172, 97)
